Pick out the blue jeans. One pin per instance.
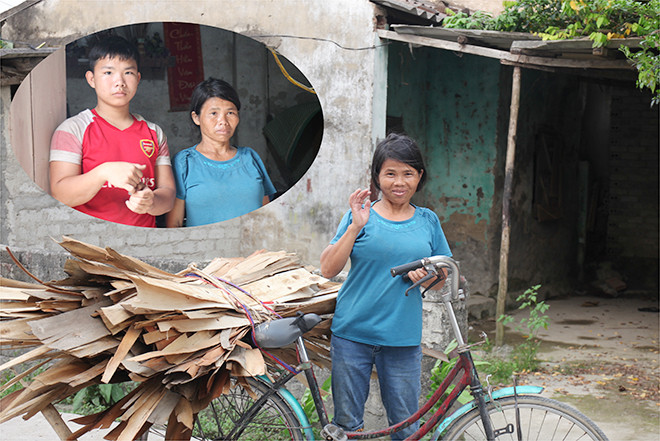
(399, 370)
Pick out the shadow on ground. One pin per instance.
(600, 355)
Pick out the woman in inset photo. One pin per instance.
(215, 180)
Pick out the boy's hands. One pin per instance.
(141, 201)
(128, 176)
(124, 175)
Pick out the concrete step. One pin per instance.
(480, 307)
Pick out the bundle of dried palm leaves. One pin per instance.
(180, 336)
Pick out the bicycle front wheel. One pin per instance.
(224, 418)
(540, 419)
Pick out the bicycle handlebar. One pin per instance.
(406, 267)
(435, 261)
(432, 264)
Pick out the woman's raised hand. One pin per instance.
(360, 206)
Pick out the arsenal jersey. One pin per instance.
(89, 140)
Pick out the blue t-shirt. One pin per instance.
(371, 305)
(219, 190)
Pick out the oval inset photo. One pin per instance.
(166, 124)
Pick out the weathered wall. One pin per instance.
(545, 252)
(494, 7)
(334, 47)
(457, 107)
(633, 188)
(633, 183)
(450, 105)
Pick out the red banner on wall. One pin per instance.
(184, 42)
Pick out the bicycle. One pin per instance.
(263, 410)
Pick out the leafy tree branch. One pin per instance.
(602, 21)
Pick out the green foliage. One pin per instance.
(523, 358)
(602, 21)
(440, 371)
(310, 408)
(98, 397)
(9, 375)
(537, 313)
(647, 63)
(460, 20)
(501, 369)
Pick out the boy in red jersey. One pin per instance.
(107, 162)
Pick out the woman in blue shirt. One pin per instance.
(374, 322)
(215, 180)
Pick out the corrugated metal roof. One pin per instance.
(423, 9)
(523, 43)
(517, 48)
(494, 39)
(525, 48)
(20, 6)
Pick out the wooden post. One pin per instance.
(506, 203)
(54, 418)
(56, 422)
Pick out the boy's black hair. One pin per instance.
(400, 148)
(113, 46)
(213, 88)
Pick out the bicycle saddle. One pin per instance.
(281, 332)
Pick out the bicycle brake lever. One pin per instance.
(419, 282)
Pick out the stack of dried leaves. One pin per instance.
(180, 336)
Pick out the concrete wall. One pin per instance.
(334, 47)
(494, 7)
(457, 107)
(450, 105)
(633, 188)
(545, 252)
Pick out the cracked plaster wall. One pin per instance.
(302, 220)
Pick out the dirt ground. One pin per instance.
(600, 355)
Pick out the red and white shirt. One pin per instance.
(89, 140)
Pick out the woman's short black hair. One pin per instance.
(213, 88)
(113, 46)
(400, 148)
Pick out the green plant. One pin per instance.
(440, 371)
(647, 63)
(537, 313)
(310, 408)
(500, 369)
(98, 397)
(523, 357)
(461, 20)
(602, 21)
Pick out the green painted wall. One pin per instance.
(457, 108)
(449, 104)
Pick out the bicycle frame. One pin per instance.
(463, 374)
(463, 370)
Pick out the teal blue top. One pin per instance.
(371, 305)
(219, 190)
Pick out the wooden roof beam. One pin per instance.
(505, 57)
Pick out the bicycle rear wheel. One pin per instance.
(541, 419)
(275, 420)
